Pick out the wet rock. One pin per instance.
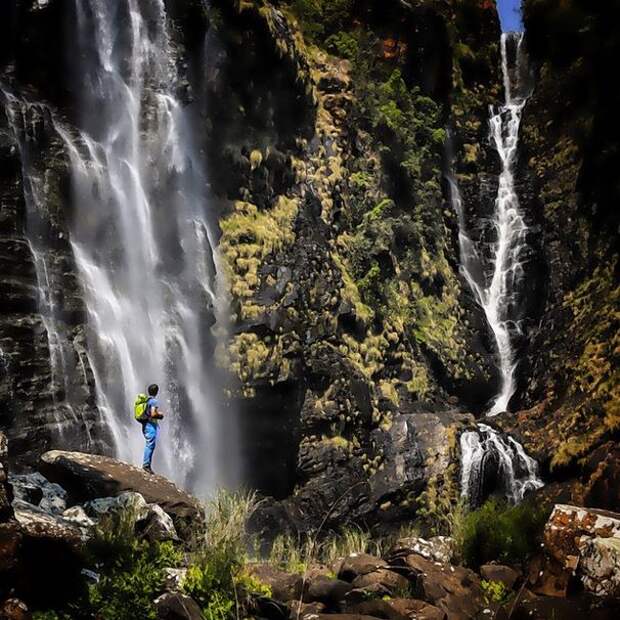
(88, 477)
(10, 530)
(176, 606)
(284, 586)
(500, 573)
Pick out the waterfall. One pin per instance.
(26, 121)
(487, 455)
(496, 290)
(140, 236)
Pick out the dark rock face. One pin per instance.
(569, 135)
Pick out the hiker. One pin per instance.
(146, 411)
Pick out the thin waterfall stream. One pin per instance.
(496, 290)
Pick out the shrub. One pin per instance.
(495, 591)
(500, 532)
(214, 577)
(343, 44)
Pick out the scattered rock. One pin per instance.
(500, 573)
(420, 610)
(176, 606)
(39, 525)
(378, 608)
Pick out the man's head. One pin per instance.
(153, 389)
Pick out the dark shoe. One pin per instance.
(147, 468)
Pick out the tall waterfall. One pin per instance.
(496, 290)
(140, 236)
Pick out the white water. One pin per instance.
(496, 288)
(496, 291)
(140, 237)
(24, 121)
(516, 471)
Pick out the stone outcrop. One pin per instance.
(584, 544)
(88, 477)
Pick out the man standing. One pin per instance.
(150, 426)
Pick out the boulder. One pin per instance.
(176, 606)
(50, 557)
(323, 589)
(35, 489)
(436, 549)
(500, 573)
(580, 543)
(38, 525)
(88, 477)
(10, 530)
(14, 609)
(414, 608)
(173, 578)
(299, 609)
(390, 580)
(599, 567)
(158, 525)
(358, 564)
(398, 609)
(453, 589)
(284, 586)
(77, 515)
(128, 502)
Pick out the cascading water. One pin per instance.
(25, 121)
(496, 291)
(140, 236)
(486, 453)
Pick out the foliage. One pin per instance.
(214, 576)
(495, 591)
(500, 532)
(321, 18)
(343, 44)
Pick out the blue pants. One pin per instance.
(150, 432)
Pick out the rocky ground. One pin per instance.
(51, 520)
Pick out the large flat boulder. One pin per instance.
(584, 544)
(88, 476)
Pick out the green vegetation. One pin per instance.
(500, 532)
(322, 18)
(495, 592)
(215, 578)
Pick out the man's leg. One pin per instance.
(150, 435)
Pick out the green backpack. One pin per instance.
(139, 408)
